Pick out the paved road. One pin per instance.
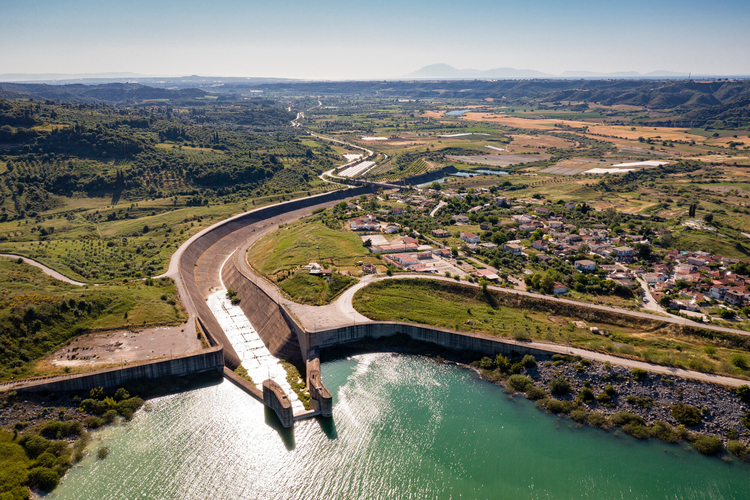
(47, 270)
(437, 208)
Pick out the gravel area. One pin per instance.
(722, 409)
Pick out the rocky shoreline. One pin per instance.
(722, 408)
(619, 392)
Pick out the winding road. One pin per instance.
(48, 271)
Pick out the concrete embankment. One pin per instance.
(208, 360)
(263, 313)
(243, 384)
(275, 398)
(446, 338)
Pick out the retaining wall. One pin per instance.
(431, 176)
(207, 360)
(319, 394)
(275, 398)
(446, 338)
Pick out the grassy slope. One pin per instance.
(315, 290)
(301, 243)
(26, 288)
(450, 305)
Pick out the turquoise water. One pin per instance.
(490, 172)
(404, 427)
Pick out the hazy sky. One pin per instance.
(341, 39)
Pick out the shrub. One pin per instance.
(642, 401)
(45, 460)
(686, 414)
(586, 395)
(121, 394)
(664, 432)
(604, 398)
(598, 420)
(102, 452)
(34, 445)
(610, 391)
(623, 418)
(559, 386)
(746, 420)
(127, 407)
(486, 363)
(93, 422)
(739, 361)
(535, 393)
(528, 361)
(743, 392)
(639, 374)
(110, 416)
(519, 382)
(555, 406)
(57, 430)
(707, 445)
(43, 478)
(637, 431)
(737, 449)
(579, 416)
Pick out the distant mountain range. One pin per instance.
(447, 72)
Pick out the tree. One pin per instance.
(664, 301)
(436, 186)
(709, 218)
(642, 251)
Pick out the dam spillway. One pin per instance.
(253, 353)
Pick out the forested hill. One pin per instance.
(114, 93)
(51, 151)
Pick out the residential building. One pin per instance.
(470, 238)
(513, 248)
(586, 266)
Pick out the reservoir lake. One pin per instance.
(404, 427)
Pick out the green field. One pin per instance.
(38, 314)
(463, 308)
(309, 289)
(308, 240)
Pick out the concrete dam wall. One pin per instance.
(446, 338)
(207, 360)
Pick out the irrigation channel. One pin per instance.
(403, 427)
